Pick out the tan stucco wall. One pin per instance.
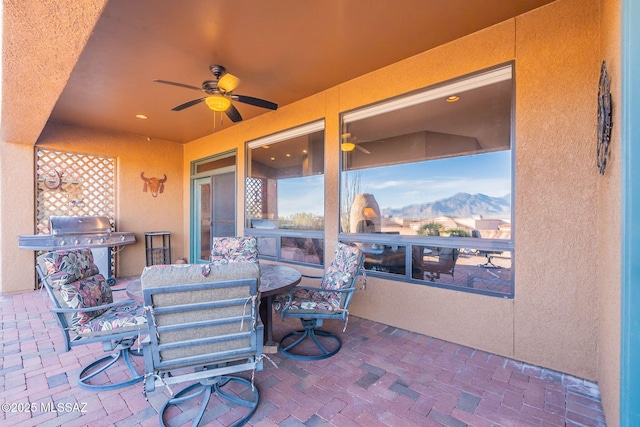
(137, 211)
(609, 225)
(557, 61)
(16, 216)
(42, 38)
(552, 321)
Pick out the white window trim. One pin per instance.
(287, 134)
(476, 81)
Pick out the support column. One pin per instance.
(16, 217)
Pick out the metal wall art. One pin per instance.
(53, 180)
(604, 119)
(155, 185)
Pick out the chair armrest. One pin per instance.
(89, 309)
(313, 288)
(312, 277)
(340, 290)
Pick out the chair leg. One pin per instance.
(101, 365)
(309, 331)
(216, 386)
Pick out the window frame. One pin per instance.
(435, 91)
(279, 233)
(194, 204)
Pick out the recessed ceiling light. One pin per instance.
(304, 151)
(142, 116)
(453, 98)
(288, 155)
(266, 147)
(273, 158)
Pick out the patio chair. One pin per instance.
(86, 313)
(488, 254)
(203, 326)
(313, 305)
(444, 264)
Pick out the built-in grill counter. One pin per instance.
(69, 232)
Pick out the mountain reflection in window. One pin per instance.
(432, 167)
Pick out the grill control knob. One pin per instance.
(89, 241)
(123, 238)
(76, 242)
(101, 240)
(62, 243)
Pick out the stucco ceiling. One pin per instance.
(282, 51)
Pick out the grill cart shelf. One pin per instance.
(158, 247)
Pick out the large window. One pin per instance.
(285, 194)
(426, 184)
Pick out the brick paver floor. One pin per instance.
(382, 376)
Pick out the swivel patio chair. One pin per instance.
(203, 326)
(313, 305)
(86, 313)
(442, 261)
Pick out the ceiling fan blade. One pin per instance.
(188, 104)
(364, 150)
(233, 114)
(167, 82)
(255, 101)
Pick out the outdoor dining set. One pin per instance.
(198, 325)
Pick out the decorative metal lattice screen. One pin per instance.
(255, 196)
(70, 184)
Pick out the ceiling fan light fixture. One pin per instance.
(218, 102)
(347, 146)
(228, 82)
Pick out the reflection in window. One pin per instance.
(434, 165)
(475, 269)
(285, 180)
(285, 194)
(296, 249)
(267, 246)
(383, 258)
(302, 249)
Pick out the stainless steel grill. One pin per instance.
(68, 232)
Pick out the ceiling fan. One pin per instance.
(219, 94)
(350, 143)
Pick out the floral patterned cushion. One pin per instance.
(226, 250)
(83, 293)
(78, 263)
(308, 301)
(76, 282)
(125, 317)
(343, 268)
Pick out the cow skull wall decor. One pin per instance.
(155, 185)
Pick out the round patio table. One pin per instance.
(274, 279)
